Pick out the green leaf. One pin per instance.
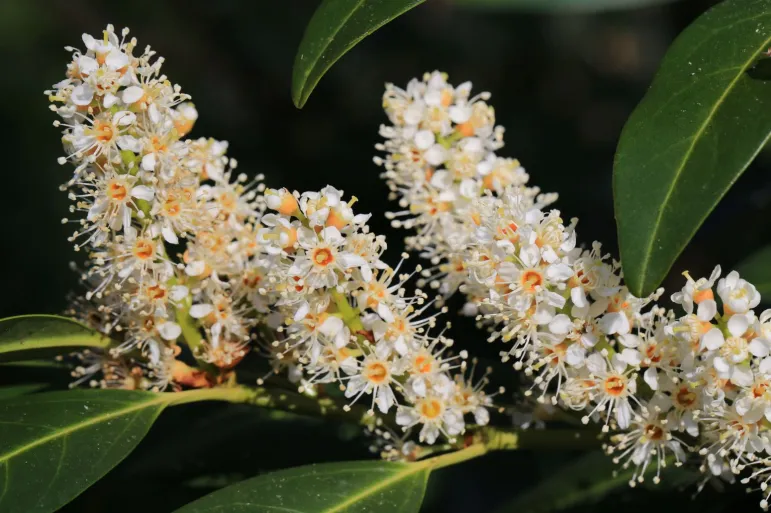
(40, 336)
(756, 269)
(350, 487)
(702, 122)
(586, 480)
(336, 27)
(560, 6)
(56, 444)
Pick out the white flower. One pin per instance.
(738, 295)
(696, 291)
(373, 377)
(732, 354)
(322, 257)
(436, 416)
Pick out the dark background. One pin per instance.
(562, 86)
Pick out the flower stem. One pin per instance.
(189, 329)
(478, 442)
(230, 394)
(350, 315)
(489, 439)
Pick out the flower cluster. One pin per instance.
(188, 261)
(348, 319)
(664, 383)
(138, 190)
(440, 156)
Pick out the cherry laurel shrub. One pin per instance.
(192, 267)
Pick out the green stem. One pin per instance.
(491, 439)
(230, 394)
(350, 315)
(484, 439)
(604, 343)
(277, 399)
(190, 331)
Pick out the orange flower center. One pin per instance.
(172, 207)
(116, 191)
(615, 385)
(760, 389)
(322, 257)
(654, 432)
(685, 397)
(252, 280)
(430, 408)
(423, 364)
(531, 279)
(103, 131)
(156, 292)
(144, 249)
(650, 352)
(376, 372)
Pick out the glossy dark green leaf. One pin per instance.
(350, 487)
(336, 27)
(39, 336)
(700, 125)
(56, 444)
(756, 269)
(559, 6)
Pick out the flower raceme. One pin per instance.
(190, 262)
(347, 318)
(662, 381)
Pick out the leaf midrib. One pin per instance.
(411, 468)
(324, 48)
(689, 152)
(80, 425)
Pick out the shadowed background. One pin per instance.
(562, 85)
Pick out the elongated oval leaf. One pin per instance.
(350, 487)
(756, 269)
(703, 121)
(336, 27)
(56, 444)
(39, 336)
(559, 6)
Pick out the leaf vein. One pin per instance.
(689, 152)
